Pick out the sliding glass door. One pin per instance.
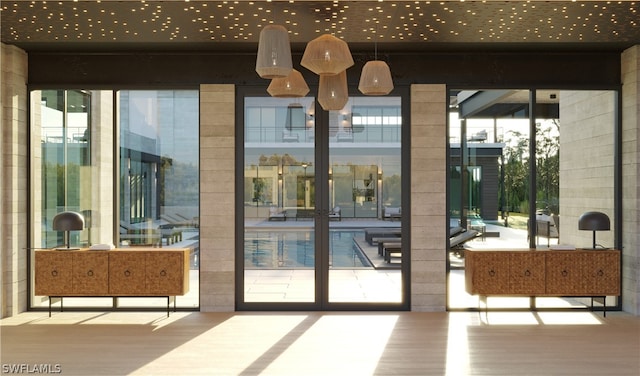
(318, 191)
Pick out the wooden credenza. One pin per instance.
(594, 273)
(120, 272)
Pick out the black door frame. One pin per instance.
(321, 213)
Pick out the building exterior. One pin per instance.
(218, 98)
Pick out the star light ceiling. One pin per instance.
(28, 23)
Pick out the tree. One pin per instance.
(516, 177)
(548, 165)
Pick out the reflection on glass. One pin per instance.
(280, 209)
(159, 175)
(73, 166)
(365, 188)
(279, 200)
(490, 184)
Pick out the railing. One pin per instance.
(371, 134)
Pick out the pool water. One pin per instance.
(295, 249)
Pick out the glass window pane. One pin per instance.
(159, 176)
(72, 168)
(490, 184)
(279, 200)
(365, 243)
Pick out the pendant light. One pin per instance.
(291, 86)
(375, 78)
(327, 55)
(333, 93)
(274, 52)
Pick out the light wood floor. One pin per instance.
(317, 343)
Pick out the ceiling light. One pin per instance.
(333, 93)
(291, 86)
(274, 53)
(375, 78)
(327, 55)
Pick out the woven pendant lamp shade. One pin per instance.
(291, 86)
(333, 93)
(274, 53)
(327, 55)
(375, 78)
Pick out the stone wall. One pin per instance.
(13, 204)
(631, 180)
(217, 198)
(587, 158)
(428, 197)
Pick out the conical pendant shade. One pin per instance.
(327, 55)
(274, 52)
(333, 93)
(288, 87)
(375, 78)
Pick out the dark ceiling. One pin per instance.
(139, 25)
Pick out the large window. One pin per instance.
(156, 196)
(524, 166)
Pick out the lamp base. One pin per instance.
(66, 249)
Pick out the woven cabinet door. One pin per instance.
(564, 273)
(490, 273)
(52, 273)
(127, 273)
(90, 273)
(164, 273)
(527, 273)
(602, 273)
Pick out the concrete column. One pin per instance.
(217, 198)
(428, 197)
(630, 71)
(13, 232)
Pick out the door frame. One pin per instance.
(321, 214)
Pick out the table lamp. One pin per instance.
(594, 221)
(68, 221)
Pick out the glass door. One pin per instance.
(319, 190)
(365, 244)
(279, 247)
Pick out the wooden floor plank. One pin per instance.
(319, 343)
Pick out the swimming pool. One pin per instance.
(295, 249)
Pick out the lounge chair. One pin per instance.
(277, 215)
(391, 249)
(139, 235)
(379, 232)
(458, 241)
(335, 214)
(392, 213)
(453, 231)
(384, 244)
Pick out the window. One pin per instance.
(572, 155)
(157, 195)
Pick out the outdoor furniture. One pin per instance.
(335, 214)
(391, 249)
(391, 213)
(289, 136)
(453, 231)
(304, 214)
(383, 242)
(463, 237)
(277, 215)
(378, 232)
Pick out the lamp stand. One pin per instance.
(67, 243)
